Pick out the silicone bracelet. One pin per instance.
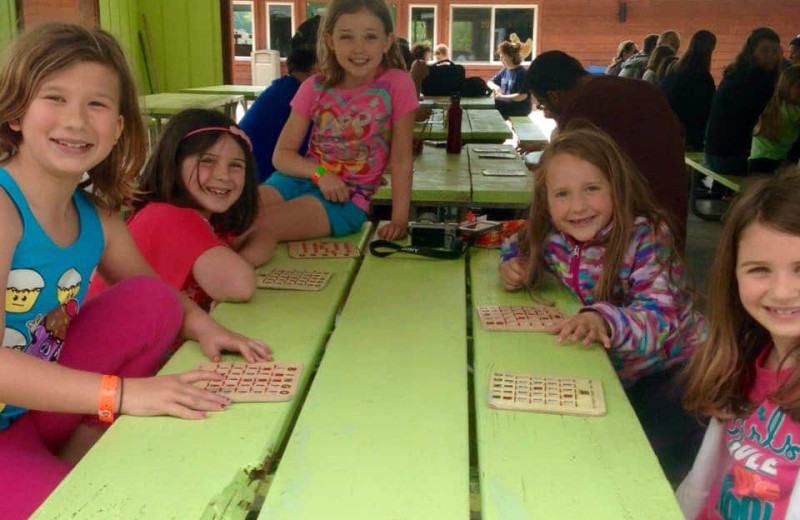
(108, 397)
(318, 173)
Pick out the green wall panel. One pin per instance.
(8, 24)
(121, 18)
(186, 41)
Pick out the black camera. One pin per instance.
(442, 235)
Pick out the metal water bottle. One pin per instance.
(454, 114)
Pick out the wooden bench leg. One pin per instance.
(693, 185)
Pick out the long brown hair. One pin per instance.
(721, 372)
(331, 71)
(769, 121)
(50, 48)
(631, 198)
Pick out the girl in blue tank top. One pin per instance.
(69, 118)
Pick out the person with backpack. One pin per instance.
(445, 78)
(511, 93)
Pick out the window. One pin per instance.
(243, 30)
(422, 24)
(280, 27)
(476, 31)
(315, 8)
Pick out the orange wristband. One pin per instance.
(108, 398)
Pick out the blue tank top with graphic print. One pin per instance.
(46, 282)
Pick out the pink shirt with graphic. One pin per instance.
(352, 132)
(764, 458)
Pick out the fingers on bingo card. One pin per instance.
(253, 382)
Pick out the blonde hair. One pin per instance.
(331, 71)
(48, 49)
(768, 124)
(631, 198)
(721, 372)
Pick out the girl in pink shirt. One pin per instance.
(745, 376)
(361, 105)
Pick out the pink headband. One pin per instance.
(233, 130)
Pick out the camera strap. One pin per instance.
(383, 248)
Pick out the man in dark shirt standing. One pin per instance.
(634, 113)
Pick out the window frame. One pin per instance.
(251, 3)
(267, 4)
(435, 7)
(492, 42)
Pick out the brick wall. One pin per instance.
(34, 12)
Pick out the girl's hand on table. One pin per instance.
(173, 395)
(216, 338)
(586, 327)
(393, 230)
(513, 273)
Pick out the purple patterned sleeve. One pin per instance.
(509, 248)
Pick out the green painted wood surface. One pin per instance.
(8, 25)
(160, 467)
(249, 92)
(439, 177)
(527, 131)
(696, 161)
(544, 466)
(509, 191)
(486, 126)
(383, 433)
(121, 18)
(434, 128)
(168, 104)
(479, 103)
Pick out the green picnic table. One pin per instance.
(440, 178)
(478, 103)
(536, 465)
(477, 126)
(513, 191)
(528, 132)
(384, 432)
(250, 92)
(696, 163)
(165, 105)
(163, 467)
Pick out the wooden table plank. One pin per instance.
(162, 467)
(477, 103)
(487, 126)
(384, 431)
(250, 92)
(536, 465)
(528, 132)
(505, 191)
(439, 177)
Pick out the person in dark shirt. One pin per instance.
(746, 87)
(634, 113)
(689, 88)
(510, 89)
(265, 118)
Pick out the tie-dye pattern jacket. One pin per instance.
(654, 324)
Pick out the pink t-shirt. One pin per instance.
(764, 458)
(352, 132)
(171, 239)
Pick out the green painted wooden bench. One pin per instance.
(384, 430)
(697, 166)
(477, 103)
(528, 132)
(162, 467)
(536, 465)
(165, 105)
(440, 179)
(511, 192)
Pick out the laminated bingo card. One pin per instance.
(312, 249)
(292, 279)
(533, 318)
(546, 393)
(254, 382)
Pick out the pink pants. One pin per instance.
(126, 331)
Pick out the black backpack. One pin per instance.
(475, 87)
(445, 78)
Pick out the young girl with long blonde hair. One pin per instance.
(594, 225)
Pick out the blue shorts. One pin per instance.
(344, 218)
